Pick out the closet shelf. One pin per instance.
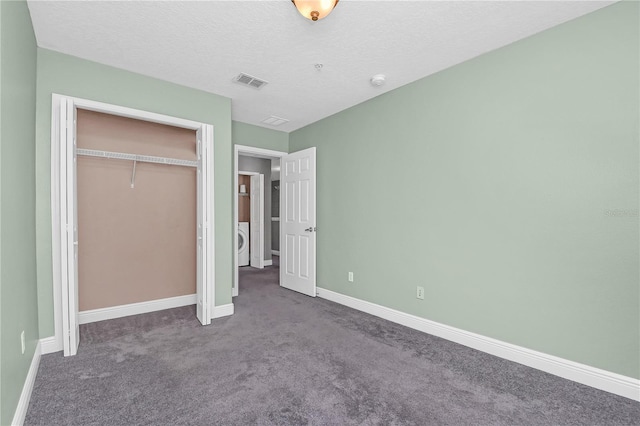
(136, 157)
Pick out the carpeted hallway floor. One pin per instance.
(285, 358)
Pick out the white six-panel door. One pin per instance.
(298, 221)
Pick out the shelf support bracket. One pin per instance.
(133, 174)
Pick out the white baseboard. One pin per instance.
(102, 314)
(275, 252)
(49, 345)
(25, 396)
(268, 262)
(222, 311)
(581, 373)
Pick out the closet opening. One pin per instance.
(132, 205)
(136, 215)
(252, 235)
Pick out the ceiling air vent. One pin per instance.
(274, 121)
(249, 80)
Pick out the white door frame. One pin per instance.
(59, 196)
(252, 152)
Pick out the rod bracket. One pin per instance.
(133, 174)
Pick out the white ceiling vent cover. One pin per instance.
(274, 121)
(249, 80)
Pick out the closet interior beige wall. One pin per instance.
(135, 244)
(244, 201)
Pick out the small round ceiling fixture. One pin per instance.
(314, 9)
(378, 80)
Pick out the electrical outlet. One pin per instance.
(22, 341)
(350, 277)
(420, 293)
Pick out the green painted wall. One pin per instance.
(18, 287)
(1, 411)
(67, 75)
(259, 137)
(507, 186)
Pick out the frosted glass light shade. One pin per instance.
(314, 9)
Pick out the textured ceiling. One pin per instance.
(205, 44)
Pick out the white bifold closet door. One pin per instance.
(69, 213)
(256, 222)
(204, 266)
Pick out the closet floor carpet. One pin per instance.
(284, 358)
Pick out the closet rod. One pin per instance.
(136, 157)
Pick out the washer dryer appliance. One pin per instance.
(243, 243)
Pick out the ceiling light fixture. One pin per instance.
(314, 9)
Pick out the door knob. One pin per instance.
(311, 229)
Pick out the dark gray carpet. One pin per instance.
(285, 358)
